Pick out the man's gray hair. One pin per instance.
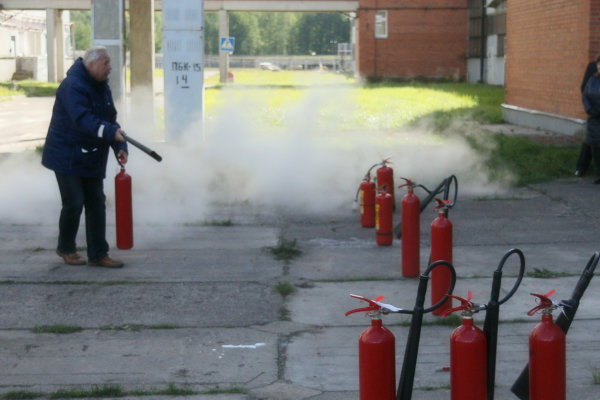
(94, 53)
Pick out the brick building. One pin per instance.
(412, 39)
(548, 45)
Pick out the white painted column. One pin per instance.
(223, 55)
(183, 52)
(108, 30)
(51, 43)
(60, 45)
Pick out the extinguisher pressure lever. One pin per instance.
(466, 305)
(443, 204)
(546, 303)
(410, 184)
(376, 306)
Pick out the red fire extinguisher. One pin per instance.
(411, 228)
(468, 355)
(384, 222)
(441, 249)
(547, 360)
(367, 202)
(385, 178)
(123, 209)
(376, 355)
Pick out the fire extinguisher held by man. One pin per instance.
(82, 129)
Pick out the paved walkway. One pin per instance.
(203, 304)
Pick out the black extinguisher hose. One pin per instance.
(407, 376)
(366, 177)
(490, 326)
(143, 148)
(521, 386)
(444, 187)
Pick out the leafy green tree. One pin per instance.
(243, 26)
(319, 33)
(275, 32)
(264, 33)
(211, 33)
(158, 32)
(83, 29)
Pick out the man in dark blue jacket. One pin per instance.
(83, 127)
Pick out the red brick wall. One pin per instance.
(426, 38)
(548, 45)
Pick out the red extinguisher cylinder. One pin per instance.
(410, 234)
(367, 204)
(385, 178)
(441, 249)
(377, 363)
(547, 364)
(468, 362)
(123, 210)
(384, 209)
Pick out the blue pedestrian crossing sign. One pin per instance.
(227, 43)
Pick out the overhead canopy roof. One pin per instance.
(209, 5)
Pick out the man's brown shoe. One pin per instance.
(106, 262)
(71, 259)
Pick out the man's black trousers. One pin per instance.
(77, 193)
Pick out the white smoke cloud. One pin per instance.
(310, 164)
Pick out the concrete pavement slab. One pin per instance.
(145, 266)
(197, 359)
(181, 304)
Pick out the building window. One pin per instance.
(381, 31)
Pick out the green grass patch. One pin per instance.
(286, 250)
(230, 390)
(451, 320)
(520, 161)
(341, 102)
(546, 274)
(285, 288)
(226, 222)
(57, 329)
(596, 376)
(174, 390)
(31, 88)
(94, 392)
(136, 327)
(21, 394)
(8, 90)
(433, 388)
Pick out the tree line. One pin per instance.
(256, 33)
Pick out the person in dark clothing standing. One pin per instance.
(585, 155)
(82, 129)
(590, 70)
(591, 145)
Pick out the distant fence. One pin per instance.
(333, 62)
